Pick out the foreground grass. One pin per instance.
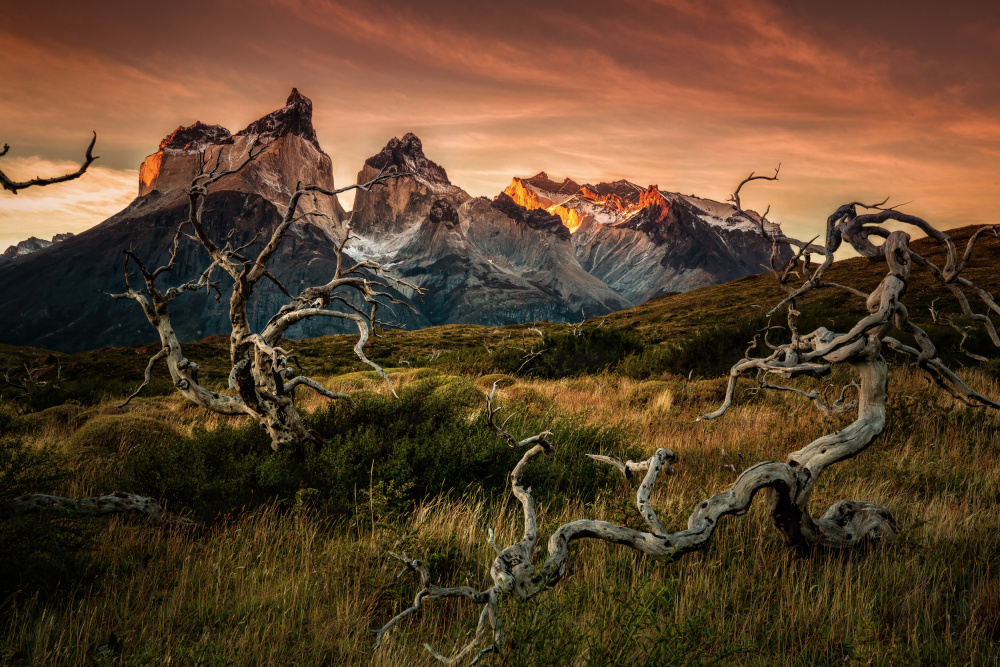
(296, 579)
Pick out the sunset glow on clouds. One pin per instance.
(855, 102)
(69, 207)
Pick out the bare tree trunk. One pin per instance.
(260, 377)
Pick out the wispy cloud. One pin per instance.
(689, 94)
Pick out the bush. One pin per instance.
(42, 549)
(116, 434)
(208, 472)
(709, 353)
(432, 441)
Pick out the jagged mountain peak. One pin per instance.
(291, 154)
(627, 190)
(30, 245)
(407, 154)
(542, 181)
(196, 137)
(293, 118)
(651, 197)
(535, 218)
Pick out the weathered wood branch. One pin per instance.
(115, 503)
(148, 375)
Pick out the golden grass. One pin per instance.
(280, 586)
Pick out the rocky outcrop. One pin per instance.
(643, 242)
(521, 192)
(196, 137)
(478, 261)
(407, 155)
(539, 219)
(485, 264)
(295, 118)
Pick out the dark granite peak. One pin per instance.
(293, 118)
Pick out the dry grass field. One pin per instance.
(286, 580)
(286, 562)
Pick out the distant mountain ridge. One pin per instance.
(643, 242)
(30, 245)
(540, 250)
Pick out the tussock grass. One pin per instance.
(296, 578)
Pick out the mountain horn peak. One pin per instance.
(407, 154)
(294, 118)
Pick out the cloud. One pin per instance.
(73, 206)
(689, 94)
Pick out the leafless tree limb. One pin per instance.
(13, 186)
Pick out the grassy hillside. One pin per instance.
(287, 563)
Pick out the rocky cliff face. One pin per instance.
(394, 208)
(478, 261)
(291, 154)
(481, 264)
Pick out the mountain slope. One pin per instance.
(477, 261)
(62, 306)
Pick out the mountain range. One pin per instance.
(539, 250)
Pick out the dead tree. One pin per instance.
(30, 382)
(13, 186)
(787, 486)
(261, 377)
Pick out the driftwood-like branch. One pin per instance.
(148, 375)
(492, 410)
(13, 186)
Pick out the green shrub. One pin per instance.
(710, 352)
(429, 441)
(432, 439)
(40, 550)
(208, 472)
(565, 355)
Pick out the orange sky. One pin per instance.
(855, 102)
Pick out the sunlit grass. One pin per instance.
(290, 584)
